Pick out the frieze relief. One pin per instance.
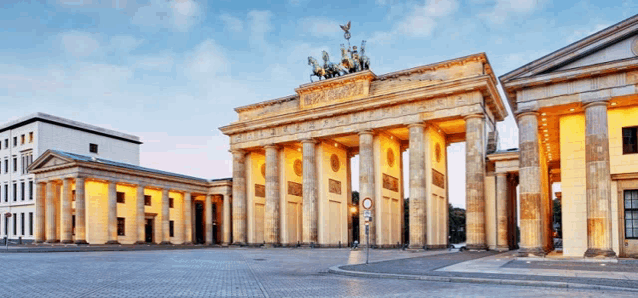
(329, 95)
(438, 179)
(390, 183)
(260, 190)
(295, 189)
(334, 186)
(449, 102)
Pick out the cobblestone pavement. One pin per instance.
(233, 272)
(621, 266)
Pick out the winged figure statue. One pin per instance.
(346, 29)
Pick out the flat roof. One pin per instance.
(43, 117)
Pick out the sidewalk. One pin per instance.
(57, 247)
(503, 268)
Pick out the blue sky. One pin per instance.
(171, 71)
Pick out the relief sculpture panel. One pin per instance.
(334, 186)
(260, 190)
(438, 179)
(390, 183)
(295, 189)
(327, 96)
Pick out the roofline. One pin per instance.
(63, 122)
(564, 51)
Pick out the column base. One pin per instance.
(241, 244)
(225, 244)
(80, 242)
(416, 246)
(596, 252)
(531, 252)
(476, 247)
(272, 245)
(188, 243)
(436, 246)
(141, 243)
(112, 242)
(38, 241)
(166, 243)
(52, 241)
(66, 241)
(502, 248)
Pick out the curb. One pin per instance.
(531, 283)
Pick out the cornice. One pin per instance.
(448, 88)
(503, 156)
(366, 75)
(267, 103)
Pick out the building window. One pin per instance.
(631, 214)
(120, 197)
(6, 166)
(15, 141)
(147, 200)
(120, 226)
(22, 191)
(15, 224)
(6, 225)
(629, 140)
(93, 148)
(73, 224)
(6, 143)
(30, 137)
(31, 223)
(170, 202)
(15, 191)
(171, 227)
(22, 223)
(15, 164)
(22, 139)
(31, 190)
(6, 192)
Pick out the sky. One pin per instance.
(171, 71)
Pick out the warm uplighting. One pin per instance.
(544, 119)
(614, 103)
(353, 209)
(299, 149)
(336, 145)
(571, 110)
(543, 114)
(544, 124)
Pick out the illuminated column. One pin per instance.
(166, 237)
(80, 211)
(50, 211)
(208, 212)
(226, 221)
(530, 186)
(40, 197)
(502, 207)
(417, 186)
(140, 216)
(188, 213)
(598, 181)
(66, 219)
(309, 180)
(366, 182)
(239, 197)
(112, 213)
(271, 216)
(349, 194)
(475, 181)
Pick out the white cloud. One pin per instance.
(260, 26)
(79, 44)
(421, 20)
(232, 23)
(178, 15)
(506, 9)
(320, 27)
(206, 61)
(160, 62)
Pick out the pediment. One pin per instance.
(615, 43)
(48, 160)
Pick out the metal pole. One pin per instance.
(367, 243)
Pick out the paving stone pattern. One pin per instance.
(234, 272)
(621, 266)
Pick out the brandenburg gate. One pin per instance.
(291, 156)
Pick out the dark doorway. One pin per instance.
(199, 223)
(149, 230)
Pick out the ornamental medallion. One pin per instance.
(298, 167)
(334, 163)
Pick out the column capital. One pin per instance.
(501, 174)
(312, 141)
(528, 113)
(272, 146)
(417, 124)
(470, 116)
(237, 151)
(597, 102)
(366, 132)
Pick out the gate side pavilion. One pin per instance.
(291, 156)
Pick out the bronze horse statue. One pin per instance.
(346, 61)
(364, 61)
(317, 70)
(332, 69)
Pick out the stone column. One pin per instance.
(367, 183)
(309, 181)
(226, 221)
(239, 197)
(40, 197)
(349, 197)
(80, 211)
(112, 213)
(66, 219)
(208, 213)
(530, 186)
(475, 181)
(140, 216)
(50, 211)
(417, 186)
(502, 209)
(188, 221)
(166, 236)
(271, 216)
(598, 181)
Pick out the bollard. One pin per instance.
(312, 245)
(339, 244)
(20, 240)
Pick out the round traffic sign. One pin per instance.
(367, 203)
(8, 214)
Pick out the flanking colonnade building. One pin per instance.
(577, 114)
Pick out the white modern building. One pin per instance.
(25, 139)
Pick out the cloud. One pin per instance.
(206, 61)
(506, 9)
(231, 23)
(78, 44)
(420, 22)
(260, 26)
(179, 15)
(124, 43)
(578, 34)
(160, 62)
(320, 27)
